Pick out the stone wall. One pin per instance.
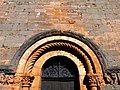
(98, 20)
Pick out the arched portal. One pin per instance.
(85, 54)
(59, 73)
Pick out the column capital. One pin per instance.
(26, 81)
(95, 80)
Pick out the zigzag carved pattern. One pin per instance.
(37, 54)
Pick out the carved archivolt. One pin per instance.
(55, 46)
(60, 43)
(41, 61)
(31, 50)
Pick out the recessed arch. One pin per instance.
(59, 72)
(41, 61)
(61, 41)
(42, 35)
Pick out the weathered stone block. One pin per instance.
(2, 38)
(14, 41)
(5, 26)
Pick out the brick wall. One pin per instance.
(98, 20)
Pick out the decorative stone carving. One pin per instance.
(95, 80)
(26, 81)
(15, 80)
(108, 79)
(52, 46)
(10, 79)
(112, 78)
(2, 78)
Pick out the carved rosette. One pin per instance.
(95, 80)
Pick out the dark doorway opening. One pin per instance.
(60, 73)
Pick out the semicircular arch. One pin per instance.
(66, 35)
(76, 44)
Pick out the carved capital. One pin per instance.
(26, 81)
(95, 80)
